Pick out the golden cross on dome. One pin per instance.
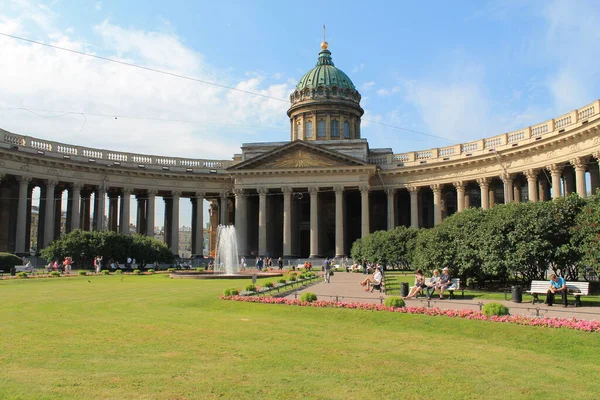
(324, 45)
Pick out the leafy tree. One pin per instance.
(9, 260)
(83, 246)
(586, 233)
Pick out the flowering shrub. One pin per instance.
(82, 273)
(394, 302)
(567, 323)
(105, 272)
(495, 309)
(250, 288)
(308, 297)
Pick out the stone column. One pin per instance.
(84, 222)
(569, 181)
(223, 209)
(113, 211)
(555, 171)
(76, 201)
(49, 212)
(492, 196)
(507, 180)
(287, 221)
(467, 198)
(140, 224)
(579, 163)
(594, 173)
(531, 175)
(241, 227)
(517, 193)
(20, 240)
(391, 208)
(175, 223)
(198, 225)
(99, 207)
(339, 221)
(484, 187)
(262, 221)
(460, 195)
(150, 210)
(437, 203)
(414, 206)
(125, 210)
(314, 221)
(364, 202)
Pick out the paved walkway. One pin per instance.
(346, 287)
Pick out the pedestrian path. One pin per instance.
(346, 287)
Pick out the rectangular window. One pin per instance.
(309, 129)
(321, 128)
(346, 130)
(335, 128)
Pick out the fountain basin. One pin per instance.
(212, 275)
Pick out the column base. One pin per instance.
(316, 256)
(340, 255)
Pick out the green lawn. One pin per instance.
(150, 337)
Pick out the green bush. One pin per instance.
(231, 292)
(308, 297)
(269, 285)
(395, 302)
(151, 271)
(105, 272)
(82, 273)
(171, 270)
(234, 292)
(198, 269)
(495, 309)
(119, 272)
(250, 288)
(136, 272)
(53, 273)
(22, 274)
(293, 279)
(293, 273)
(302, 276)
(9, 260)
(282, 281)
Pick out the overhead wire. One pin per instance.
(176, 75)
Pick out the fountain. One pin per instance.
(227, 261)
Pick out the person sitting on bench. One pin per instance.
(372, 281)
(433, 282)
(557, 285)
(419, 284)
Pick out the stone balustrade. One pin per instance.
(123, 159)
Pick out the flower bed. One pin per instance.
(569, 323)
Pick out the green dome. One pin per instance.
(325, 74)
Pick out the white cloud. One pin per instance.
(98, 6)
(367, 85)
(387, 92)
(38, 77)
(358, 68)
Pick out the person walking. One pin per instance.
(327, 268)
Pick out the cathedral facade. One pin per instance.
(311, 196)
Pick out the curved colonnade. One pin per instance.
(295, 199)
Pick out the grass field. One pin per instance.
(150, 337)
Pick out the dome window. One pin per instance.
(335, 128)
(321, 128)
(308, 132)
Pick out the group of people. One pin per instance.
(437, 282)
(64, 266)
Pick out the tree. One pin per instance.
(83, 246)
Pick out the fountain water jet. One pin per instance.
(226, 257)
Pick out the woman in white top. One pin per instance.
(433, 282)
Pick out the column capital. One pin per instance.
(507, 178)
(313, 190)
(339, 189)
(223, 194)
(77, 186)
(152, 192)
(52, 182)
(102, 187)
(483, 181)
(238, 192)
(413, 189)
(436, 187)
(176, 193)
(21, 178)
(364, 189)
(390, 191)
(579, 162)
(555, 169)
(531, 174)
(458, 185)
(596, 155)
(287, 190)
(127, 191)
(262, 191)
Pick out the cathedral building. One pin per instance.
(311, 196)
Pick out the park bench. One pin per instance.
(454, 286)
(380, 286)
(577, 289)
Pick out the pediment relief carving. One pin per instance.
(300, 158)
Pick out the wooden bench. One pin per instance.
(380, 286)
(454, 286)
(577, 289)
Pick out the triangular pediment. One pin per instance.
(299, 155)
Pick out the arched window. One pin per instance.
(335, 128)
(321, 128)
(346, 130)
(297, 130)
(308, 131)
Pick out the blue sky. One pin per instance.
(460, 70)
